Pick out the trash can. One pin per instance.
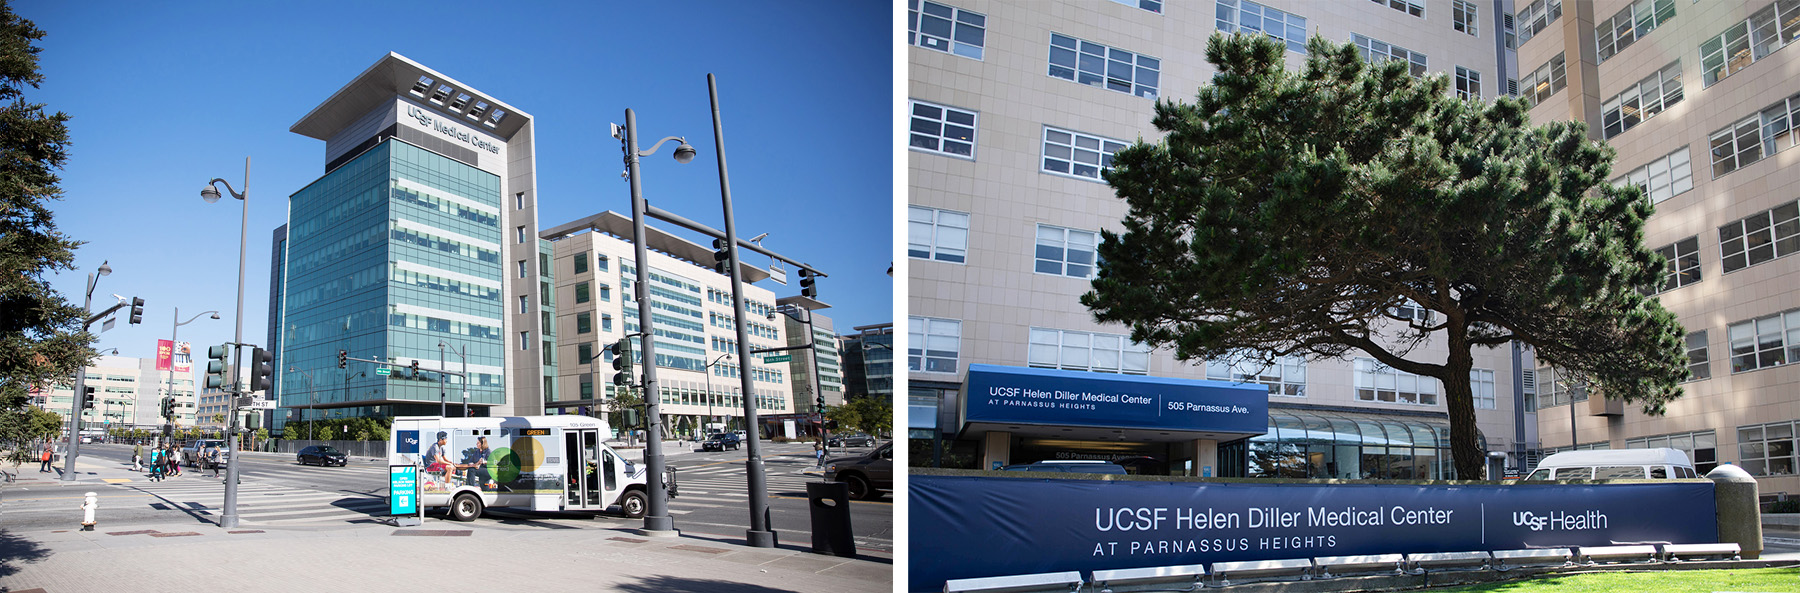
(830, 503)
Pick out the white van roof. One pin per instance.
(1603, 457)
(564, 421)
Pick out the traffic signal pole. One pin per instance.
(656, 518)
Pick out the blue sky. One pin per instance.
(165, 99)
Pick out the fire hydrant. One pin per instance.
(87, 511)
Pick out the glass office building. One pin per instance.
(417, 248)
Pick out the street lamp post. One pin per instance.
(174, 332)
(462, 353)
(210, 193)
(311, 398)
(709, 391)
(80, 399)
(656, 518)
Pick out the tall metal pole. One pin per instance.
(812, 355)
(656, 519)
(441, 396)
(80, 399)
(229, 519)
(761, 533)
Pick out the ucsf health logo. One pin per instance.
(1560, 521)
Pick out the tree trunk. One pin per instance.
(1465, 449)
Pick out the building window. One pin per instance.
(1284, 375)
(1244, 16)
(1545, 81)
(1701, 447)
(522, 268)
(1537, 16)
(582, 293)
(600, 262)
(605, 322)
(1683, 266)
(1666, 177)
(1150, 5)
(1760, 237)
(1083, 351)
(525, 340)
(521, 231)
(1376, 382)
(942, 129)
(584, 323)
(1772, 28)
(1509, 32)
(1767, 449)
(1642, 101)
(1411, 312)
(605, 293)
(941, 235)
(1481, 386)
(524, 303)
(933, 344)
(584, 353)
(947, 29)
(1065, 252)
(581, 263)
(1698, 367)
(1557, 387)
(1613, 35)
(1468, 84)
(1093, 64)
(1407, 6)
(1074, 153)
(1764, 342)
(1377, 52)
(1463, 17)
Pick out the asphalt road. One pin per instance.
(713, 495)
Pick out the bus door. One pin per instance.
(583, 488)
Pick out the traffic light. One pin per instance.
(259, 369)
(415, 369)
(137, 310)
(806, 284)
(87, 403)
(168, 407)
(722, 257)
(343, 358)
(218, 365)
(621, 351)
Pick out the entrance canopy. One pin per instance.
(1103, 406)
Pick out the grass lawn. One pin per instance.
(1763, 580)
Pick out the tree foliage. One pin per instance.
(869, 415)
(1298, 213)
(41, 338)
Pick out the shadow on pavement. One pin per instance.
(668, 584)
(15, 550)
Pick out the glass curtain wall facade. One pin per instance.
(1345, 445)
(395, 250)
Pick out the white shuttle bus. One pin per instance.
(538, 463)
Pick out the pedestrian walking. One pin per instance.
(137, 457)
(44, 456)
(819, 451)
(156, 468)
(212, 458)
(171, 462)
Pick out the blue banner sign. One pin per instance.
(403, 490)
(967, 527)
(1014, 395)
(408, 442)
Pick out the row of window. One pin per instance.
(1642, 101)
(1743, 43)
(1377, 52)
(1613, 35)
(1234, 16)
(1755, 137)
(1664, 177)
(1546, 80)
(1536, 17)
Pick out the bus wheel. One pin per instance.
(634, 504)
(466, 507)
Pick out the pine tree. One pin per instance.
(41, 336)
(1302, 213)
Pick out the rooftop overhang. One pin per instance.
(394, 75)
(1050, 403)
(661, 241)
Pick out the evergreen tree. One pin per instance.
(41, 337)
(1303, 213)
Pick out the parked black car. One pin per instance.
(322, 455)
(720, 442)
(855, 439)
(868, 475)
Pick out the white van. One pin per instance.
(1615, 464)
(539, 463)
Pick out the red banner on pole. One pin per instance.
(165, 355)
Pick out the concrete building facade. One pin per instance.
(1014, 109)
(128, 392)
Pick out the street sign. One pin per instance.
(261, 404)
(778, 358)
(383, 371)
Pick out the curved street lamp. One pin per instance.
(80, 395)
(229, 518)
